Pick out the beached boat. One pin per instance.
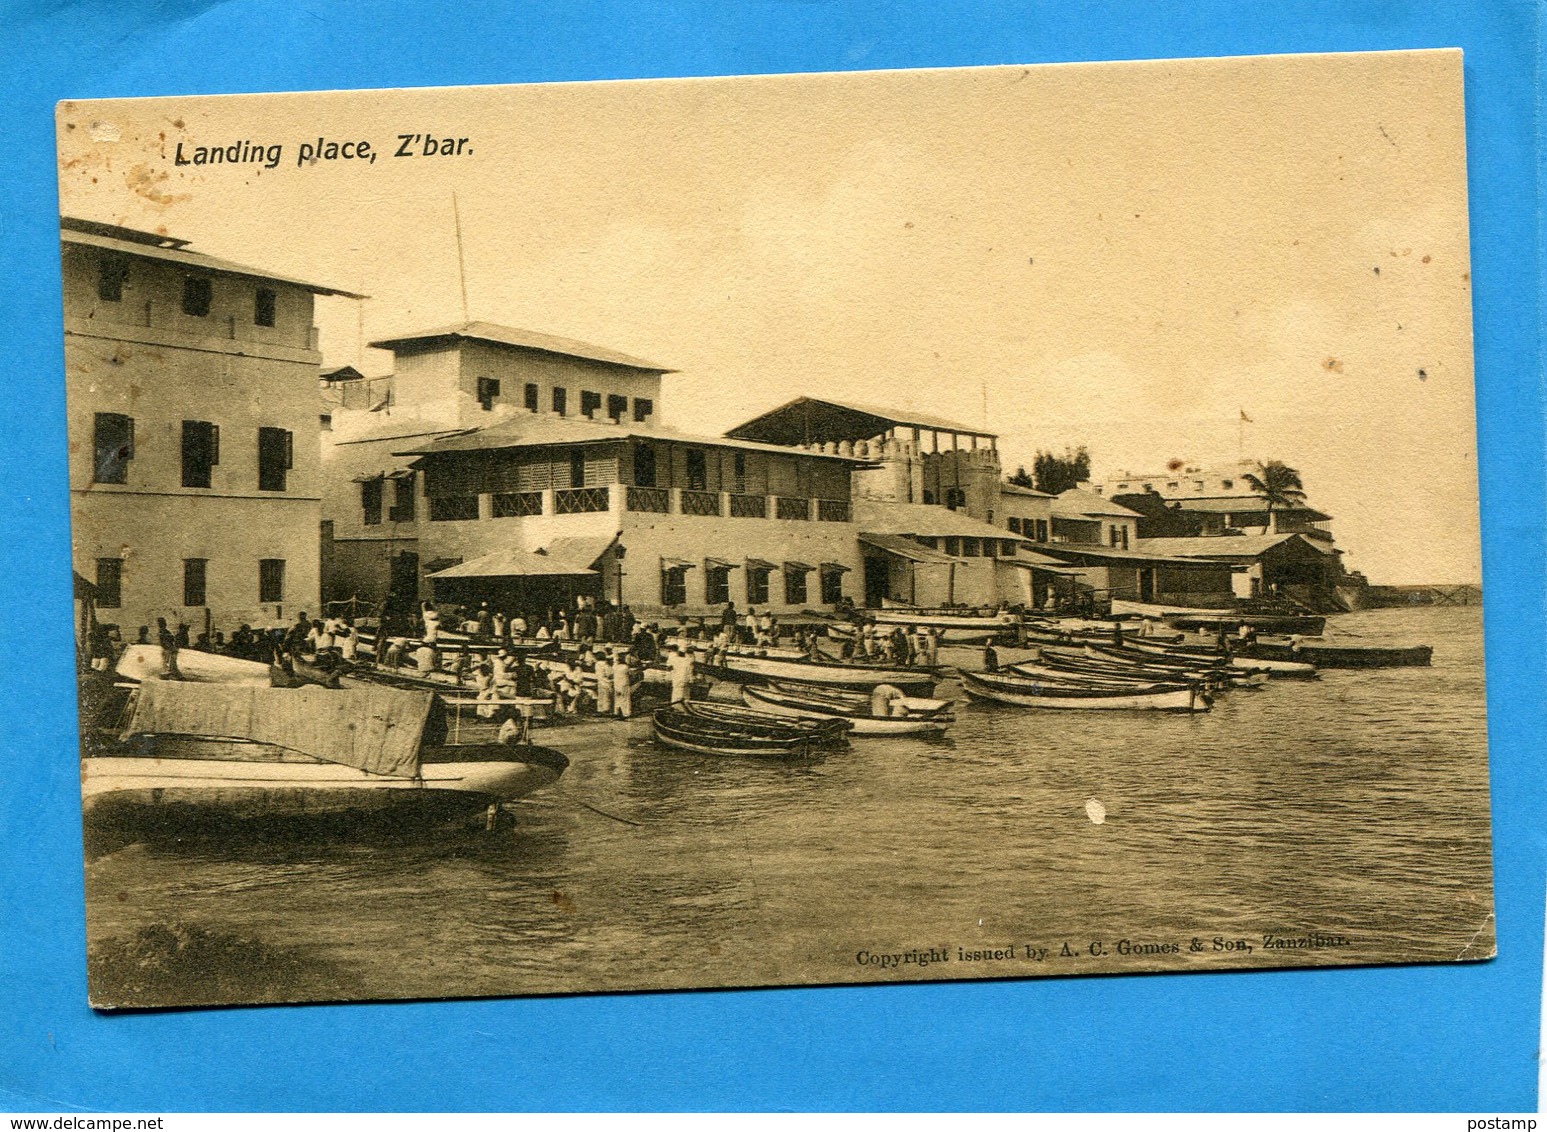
(727, 731)
(1021, 691)
(763, 669)
(914, 715)
(143, 662)
(217, 752)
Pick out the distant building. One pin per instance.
(1285, 552)
(194, 480)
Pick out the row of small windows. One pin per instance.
(590, 403)
(1175, 485)
(198, 292)
(110, 581)
(113, 449)
(1036, 529)
(717, 586)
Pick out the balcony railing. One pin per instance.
(452, 508)
(749, 506)
(577, 500)
(832, 510)
(656, 499)
(789, 507)
(517, 504)
(700, 502)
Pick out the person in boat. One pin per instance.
(394, 654)
(990, 659)
(680, 664)
(885, 701)
(524, 676)
(295, 640)
(566, 688)
(169, 646)
(425, 659)
(499, 664)
(461, 664)
(431, 618)
(623, 669)
(602, 669)
(544, 633)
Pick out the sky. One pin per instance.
(1126, 256)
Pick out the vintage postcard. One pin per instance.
(915, 525)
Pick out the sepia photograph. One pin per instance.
(886, 526)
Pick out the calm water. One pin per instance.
(1354, 807)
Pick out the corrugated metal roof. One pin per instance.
(185, 258)
(528, 339)
(923, 519)
(1240, 503)
(534, 431)
(1227, 547)
(1103, 555)
(790, 420)
(1009, 488)
(906, 548)
(1076, 503)
(513, 563)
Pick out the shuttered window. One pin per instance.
(276, 455)
(113, 448)
(201, 452)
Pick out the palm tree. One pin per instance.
(1278, 484)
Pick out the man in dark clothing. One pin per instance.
(169, 646)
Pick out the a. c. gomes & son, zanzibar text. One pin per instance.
(924, 957)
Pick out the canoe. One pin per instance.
(1341, 656)
(1184, 617)
(762, 669)
(1308, 624)
(1022, 692)
(1300, 668)
(1061, 678)
(923, 716)
(944, 619)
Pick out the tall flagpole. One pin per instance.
(456, 216)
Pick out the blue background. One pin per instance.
(1459, 1037)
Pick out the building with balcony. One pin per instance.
(524, 470)
(191, 383)
(913, 457)
(668, 523)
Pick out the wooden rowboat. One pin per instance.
(1023, 692)
(1287, 666)
(724, 731)
(1340, 656)
(764, 669)
(920, 716)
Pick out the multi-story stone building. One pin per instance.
(524, 470)
(192, 399)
